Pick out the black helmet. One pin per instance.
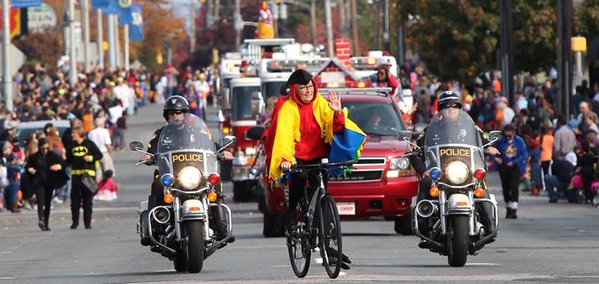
(449, 98)
(175, 103)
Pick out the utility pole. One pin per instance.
(117, 41)
(192, 28)
(507, 50)
(329, 24)
(100, 39)
(72, 53)
(386, 37)
(564, 54)
(216, 11)
(354, 26)
(126, 43)
(85, 22)
(313, 28)
(237, 22)
(342, 17)
(111, 42)
(209, 12)
(6, 76)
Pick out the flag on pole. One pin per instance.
(136, 24)
(26, 3)
(124, 9)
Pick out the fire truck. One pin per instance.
(243, 106)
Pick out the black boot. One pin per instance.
(508, 213)
(513, 215)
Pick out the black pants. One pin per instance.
(298, 183)
(80, 195)
(510, 179)
(44, 201)
(545, 165)
(485, 209)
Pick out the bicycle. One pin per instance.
(316, 225)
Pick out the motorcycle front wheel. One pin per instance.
(194, 231)
(330, 237)
(458, 240)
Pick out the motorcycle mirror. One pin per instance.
(229, 140)
(136, 145)
(255, 132)
(405, 135)
(494, 135)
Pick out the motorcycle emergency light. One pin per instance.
(214, 178)
(480, 174)
(479, 192)
(167, 180)
(435, 173)
(434, 191)
(168, 198)
(212, 196)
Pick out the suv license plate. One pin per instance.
(346, 208)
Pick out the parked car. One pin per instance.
(25, 128)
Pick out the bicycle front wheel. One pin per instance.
(330, 237)
(298, 247)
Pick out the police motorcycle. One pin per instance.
(454, 156)
(181, 229)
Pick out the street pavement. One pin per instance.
(548, 243)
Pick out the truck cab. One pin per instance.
(243, 110)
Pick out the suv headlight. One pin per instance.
(399, 167)
(189, 177)
(457, 172)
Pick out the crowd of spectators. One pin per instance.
(550, 136)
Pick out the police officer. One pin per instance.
(450, 105)
(174, 111)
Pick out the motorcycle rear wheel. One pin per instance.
(194, 231)
(458, 241)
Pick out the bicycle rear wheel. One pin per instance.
(330, 237)
(298, 247)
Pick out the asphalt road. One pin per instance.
(554, 243)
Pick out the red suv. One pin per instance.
(382, 182)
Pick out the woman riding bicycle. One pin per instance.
(303, 132)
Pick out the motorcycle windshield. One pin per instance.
(451, 136)
(190, 133)
(187, 151)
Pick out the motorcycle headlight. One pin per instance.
(457, 172)
(189, 177)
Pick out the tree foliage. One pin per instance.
(588, 18)
(460, 38)
(456, 39)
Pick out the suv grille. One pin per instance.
(358, 175)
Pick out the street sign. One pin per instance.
(17, 58)
(39, 19)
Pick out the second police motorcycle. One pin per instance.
(458, 210)
(183, 227)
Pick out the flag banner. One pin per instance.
(124, 8)
(107, 6)
(26, 3)
(136, 27)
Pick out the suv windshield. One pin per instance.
(243, 108)
(375, 118)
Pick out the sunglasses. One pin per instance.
(452, 106)
(176, 112)
(382, 73)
